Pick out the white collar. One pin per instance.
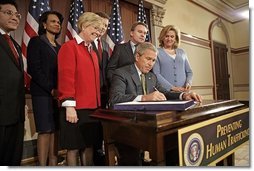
(79, 40)
(138, 70)
(3, 32)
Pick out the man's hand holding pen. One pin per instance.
(154, 96)
(188, 95)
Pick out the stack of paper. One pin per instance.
(155, 105)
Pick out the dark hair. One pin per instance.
(43, 18)
(134, 25)
(103, 15)
(12, 2)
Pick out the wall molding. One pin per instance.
(196, 41)
(240, 50)
(241, 85)
(202, 87)
(200, 42)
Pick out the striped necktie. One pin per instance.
(143, 83)
(13, 49)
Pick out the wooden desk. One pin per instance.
(156, 131)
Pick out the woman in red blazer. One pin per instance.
(79, 90)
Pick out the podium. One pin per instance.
(158, 131)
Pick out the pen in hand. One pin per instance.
(155, 88)
(159, 96)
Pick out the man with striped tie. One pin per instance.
(101, 47)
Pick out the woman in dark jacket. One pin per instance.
(42, 66)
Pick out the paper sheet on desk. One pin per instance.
(155, 105)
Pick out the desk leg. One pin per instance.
(110, 149)
(158, 153)
(110, 153)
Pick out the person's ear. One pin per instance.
(137, 56)
(131, 34)
(44, 26)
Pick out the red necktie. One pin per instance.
(99, 49)
(8, 38)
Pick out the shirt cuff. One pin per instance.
(68, 103)
(138, 98)
(181, 96)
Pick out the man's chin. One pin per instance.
(13, 28)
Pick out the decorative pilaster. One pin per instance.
(157, 15)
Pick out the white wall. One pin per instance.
(195, 21)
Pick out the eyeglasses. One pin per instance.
(11, 13)
(98, 29)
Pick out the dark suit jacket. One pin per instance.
(103, 63)
(12, 92)
(122, 55)
(126, 85)
(42, 65)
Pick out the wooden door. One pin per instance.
(221, 71)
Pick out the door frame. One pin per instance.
(218, 23)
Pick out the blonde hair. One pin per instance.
(165, 30)
(89, 18)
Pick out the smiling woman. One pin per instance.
(90, 27)
(43, 89)
(79, 92)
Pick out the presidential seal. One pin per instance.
(194, 150)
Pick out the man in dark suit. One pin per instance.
(123, 54)
(127, 86)
(101, 47)
(12, 92)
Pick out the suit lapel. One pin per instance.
(6, 47)
(97, 54)
(129, 50)
(136, 79)
(21, 66)
(44, 39)
(149, 83)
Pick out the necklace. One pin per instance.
(170, 51)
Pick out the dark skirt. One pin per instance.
(84, 133)
(46, 114)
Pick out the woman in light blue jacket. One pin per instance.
(172, 66)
